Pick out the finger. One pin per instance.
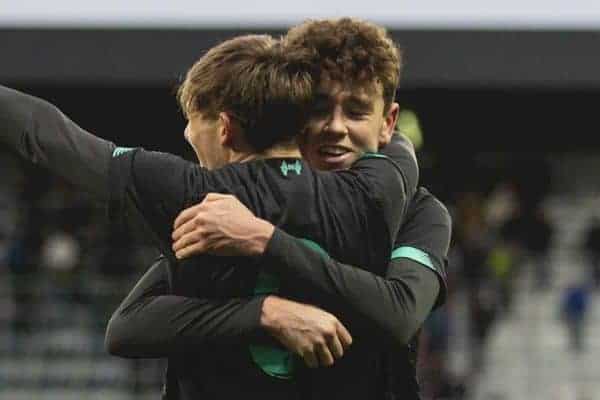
(335, 346)
(187, 227)
(186, 215)
(324, 355)
(215, 197)
(344, 335)
(310, 359)
(191, 250)
(188, 239)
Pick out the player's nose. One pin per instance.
(336, 126)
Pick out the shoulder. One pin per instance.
(427, 226)
(428, 210)
(401, 151)
(150, 162)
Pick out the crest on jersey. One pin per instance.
(288, 167)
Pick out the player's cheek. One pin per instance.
(365, 137)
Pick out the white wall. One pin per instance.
(460, 14)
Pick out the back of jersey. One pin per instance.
(347, 214)
(343, 214)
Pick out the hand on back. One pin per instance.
(220, 225)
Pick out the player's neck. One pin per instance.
(274, 152)
(282, 152)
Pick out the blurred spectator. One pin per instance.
(503, 263)
(538, 233)
(60, 253)
(591, 244)
(16, 246)
(22, 268)
(530, 232)
(501, 205)
(484, 307)
(475, 240)
(574, 309)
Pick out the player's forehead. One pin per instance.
(368, 93)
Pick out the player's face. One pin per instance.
(202, 133)
(345, 123)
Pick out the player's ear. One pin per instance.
(389, 124)
(227, 129)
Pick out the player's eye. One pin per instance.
(356, 113)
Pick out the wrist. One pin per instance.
(262, 234)
(268, 315)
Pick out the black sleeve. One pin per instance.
(396, 304)
(402, 152)
(425, 237)
(149, 189)
(390, 177)
(43, 135)
(151, 323)
(144, 190)
(392, 307)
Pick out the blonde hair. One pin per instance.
(253, 79)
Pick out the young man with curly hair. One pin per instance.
(356, 66)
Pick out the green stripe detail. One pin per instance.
(413, 254)
(273, 361)
(369, 154)
(315, 246)
(121, 150)
(266, 284)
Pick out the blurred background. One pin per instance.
(500, 97)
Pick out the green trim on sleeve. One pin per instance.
(121, 150)
(414, 254)
(369, 154)
(266, 283)
(315, 246)
(273, 361)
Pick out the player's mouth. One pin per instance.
(335, 155)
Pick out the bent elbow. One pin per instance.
(115, 341)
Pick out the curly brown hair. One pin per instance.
(253, 79)
(350, 51)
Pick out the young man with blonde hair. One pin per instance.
(264, 170)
